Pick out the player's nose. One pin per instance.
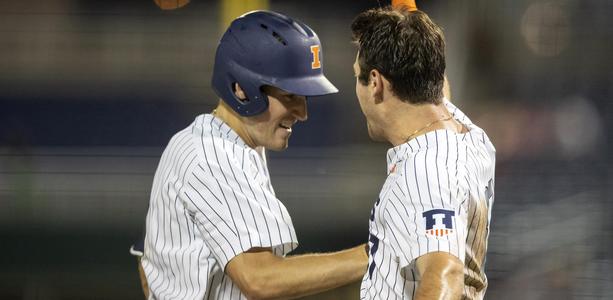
(299, 109)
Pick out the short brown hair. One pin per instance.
(407, 48)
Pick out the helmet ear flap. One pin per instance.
(242, 99)
(224, 80)
(255, 102)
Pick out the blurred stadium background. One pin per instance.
(91, 91)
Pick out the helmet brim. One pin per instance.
(307, 86)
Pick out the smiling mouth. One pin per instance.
(289, 129)
(287, 125)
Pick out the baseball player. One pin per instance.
(430, 223)
(215, 229)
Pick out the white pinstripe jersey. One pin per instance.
(438, 196)
(211, 200)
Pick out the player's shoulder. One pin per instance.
(457, 113)
(204, 126)
(476, 135)
(211, 132)
(476, 139)
(216, 141)
(201, 135)
(181, 139)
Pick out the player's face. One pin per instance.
(272, 128)
(367, 105)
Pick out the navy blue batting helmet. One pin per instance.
(268, 48)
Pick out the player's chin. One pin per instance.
(278, 144)
(278, 147)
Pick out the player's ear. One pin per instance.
(238, 92)
(376, 84)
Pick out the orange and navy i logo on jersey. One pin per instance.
(439, 222)
(316, 63)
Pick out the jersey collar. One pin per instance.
(424, 141)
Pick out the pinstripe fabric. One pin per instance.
(211, 200)
(438, 171)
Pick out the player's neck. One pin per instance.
(408, 121)
(230, 117)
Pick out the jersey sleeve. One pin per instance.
(233, 205)
(427, 214)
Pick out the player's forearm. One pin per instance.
(440, 282)
(303, 275)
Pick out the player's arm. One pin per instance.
(262, 275)
(442, 277)
(439, 267)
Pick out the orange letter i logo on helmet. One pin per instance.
(316, 64)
